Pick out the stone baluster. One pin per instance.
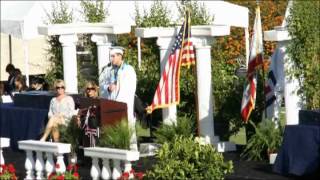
(60, 161)
(39, 166)
(49, 148)
(116, 172)
(4, 142)
(106, 171)
(49, 166)
(95, 169)
(106, 154)
(128, 168)
(1, 159)
(29, 165)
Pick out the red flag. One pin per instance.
(182, 53)
(255, 61)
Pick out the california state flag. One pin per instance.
(255, 61)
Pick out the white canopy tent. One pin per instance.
(21, 19)
(224, 13)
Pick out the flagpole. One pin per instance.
(196, 77)
(263, 72)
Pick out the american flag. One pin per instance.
(188, 54)
(255, 61)
(181, 53)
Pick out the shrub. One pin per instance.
(184, 158)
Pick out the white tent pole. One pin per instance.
(139, 52)
(26, 60)
(26, 53)
(246, 32)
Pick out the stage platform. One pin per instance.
(242, 169)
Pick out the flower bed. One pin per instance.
(8, 172)
(132, 173)
(70, 174)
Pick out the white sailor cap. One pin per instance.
(116, 50)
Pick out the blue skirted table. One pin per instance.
(21, 123)
(300, 151)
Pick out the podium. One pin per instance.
(110, 112)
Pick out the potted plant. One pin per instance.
(265, 142)
(71, 134)
(116, 136)
(166, 133)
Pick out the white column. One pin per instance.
(204, 89)
(103, 50)
(70, 69)
(103, 46)
(169, 115)
(293, 102)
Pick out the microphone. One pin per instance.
(104, 67)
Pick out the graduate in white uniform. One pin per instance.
(119, 84)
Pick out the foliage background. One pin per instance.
(61, 14)
(304, 49)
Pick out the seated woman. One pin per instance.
(91, 90)
(19, 84)
(88, 118)
(61, 111)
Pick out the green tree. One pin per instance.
(199, 14)
(93, 11)
(304, 49)
(158, 15)
(60, 14)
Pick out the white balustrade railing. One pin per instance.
(107, 154)
(4, 142)
(47, 149)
